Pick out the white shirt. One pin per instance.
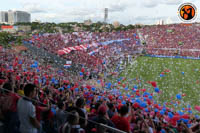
(26, 110)
(150, 130)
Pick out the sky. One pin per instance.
(123, 11)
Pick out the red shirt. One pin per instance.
(9, 102)
(15, 99)
(121, 123)
(38, 112)
(2, 81)
(50, 115)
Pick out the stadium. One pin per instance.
(100, 78)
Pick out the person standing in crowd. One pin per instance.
(9, 109)
(80, 104)
(80, 108)
(72, 124)
(120, 121)
(1, 123)
(111, 110)
(103, 118)
(61, 116)
(27, 112)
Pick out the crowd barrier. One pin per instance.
(182, 57)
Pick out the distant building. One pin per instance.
(88, 22)
(14, 29)
(105, 15)
(3, 17)
(116, 24)
(12, 17)
(23, 28)
(139, 24)
(10, 29)
(169, 21)
(18, 16)
(104, 27)
(37, 21)
(160, 22)
(77, 29)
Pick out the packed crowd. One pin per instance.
(54, 42)
(55, 104)
(176, 39)
(167, 40)
(58, 102)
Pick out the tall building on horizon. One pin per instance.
(3, 17)
(160, 22)
(13, 17)
(18, 16)
(105, 15)
(169, 21)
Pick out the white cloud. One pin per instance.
(150, 3)
(172, 2)
(80, 12)
(33, 8)
(154, 3)
(117, 7)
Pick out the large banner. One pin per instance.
(86, 46)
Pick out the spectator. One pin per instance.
(27, 112)
(121, 122)
(80, 104)
(72, 125)
(102, 117)
(39, 111)
(1, 122)
(9, 109)
(61, 116)
(111, 110)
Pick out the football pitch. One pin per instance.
(173, 77)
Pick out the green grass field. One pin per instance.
(173, 83)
